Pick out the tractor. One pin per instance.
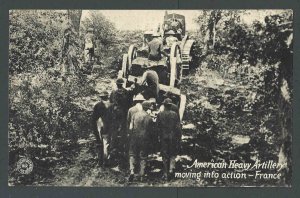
(176, 22)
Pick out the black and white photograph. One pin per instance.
(150, 98)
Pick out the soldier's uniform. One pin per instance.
(170, 39)
(173, 107)
(89, 45)
(139, 133)
(176, 26)
(120, 103)
(150, 84)
(136, 108)
(100, 124)
(168, 124)
(155, 48)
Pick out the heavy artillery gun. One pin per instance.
(170, 68)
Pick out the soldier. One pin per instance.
(120, 103)
(170, 38)
(89, 45)
(150, 84)
(176, 26)
(168, 124)
(156, 48)
(137, 107)
(153, 103)
(147, 38)
(174, 107)
(100, 124)
(139, 133)
(154, 147)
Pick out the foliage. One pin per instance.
(43, 115)
(254, 42)
(239, 74)
(259, 55)
(35, 39)
(104, 30)
(212, 22)
(251, 46)
(111, 43)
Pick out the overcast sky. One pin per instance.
(144, 19)
(149, 19)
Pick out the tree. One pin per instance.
(70, 46)
(104, 30)
(212, 21)
(280, 29)
(75, 16)
(267, 47)
(214, 18)
(35, 39)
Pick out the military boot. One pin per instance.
(131, 168)
(99, 155)
(172, 168)
(165, 169)
(142, 170)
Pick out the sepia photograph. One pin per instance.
(150, 98)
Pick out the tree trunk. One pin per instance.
(215, 16)
(286, 111)
(214, 35)
(74, 19)
(285, 115)
(71, 41)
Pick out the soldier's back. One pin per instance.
(135, 109)
(154, 46)
(168, 122)
(119, 97)
(140, 123)
(132, 111)
(101, 109)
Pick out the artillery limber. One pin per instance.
(136, 63)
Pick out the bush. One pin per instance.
(44, 119)
(35, 39)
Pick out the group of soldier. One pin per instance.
(131, 122)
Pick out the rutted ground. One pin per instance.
(212, 129)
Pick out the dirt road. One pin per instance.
(211, 131)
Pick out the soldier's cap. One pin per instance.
(156, 34)
(152, 100)
(120, 81)
(139, 97)
(104, 94)
(146, 105)
(170, 32)
(167, 101)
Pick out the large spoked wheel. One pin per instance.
(175, 64)
(193, 58)
(132, 54)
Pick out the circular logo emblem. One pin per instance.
(25, 166)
